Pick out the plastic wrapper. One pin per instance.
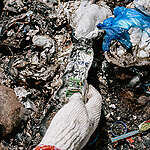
(44, 41)
(117, 28)
(128, 31)
(84, 22)
(74, 78)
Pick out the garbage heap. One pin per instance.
(49, 50)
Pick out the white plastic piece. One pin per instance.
(87, 16)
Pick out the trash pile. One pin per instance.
(50, 50)
(131, 30)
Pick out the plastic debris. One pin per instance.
(21, 92)
(81, 56)
(143, 5)
(117, 28)
(74, 78)
(135, 80)
(42, 41)
(42, 74)
(46, 147)
(87, 16)
(142, 128)
(135, 38)
(30, 105)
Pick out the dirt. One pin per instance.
(22, 64)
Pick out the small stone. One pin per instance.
(11, 111)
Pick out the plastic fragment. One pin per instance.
(86, 18)
(130, 140)
(21, 92)
(30, 105)
(115, 139)
(117, 28)
(144, 126)
(79, 63)
(143, 5)
(44, 41)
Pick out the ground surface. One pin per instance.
(21, 65)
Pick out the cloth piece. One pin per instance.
(46, 147)
(117, 28)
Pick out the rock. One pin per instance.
(11, 111)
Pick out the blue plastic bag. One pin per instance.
(117, 28)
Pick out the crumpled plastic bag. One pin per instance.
(140, 40)
(142, 5)
(117, 28)
(87, 16)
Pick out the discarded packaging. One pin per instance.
(74, 78)
(87, 16)
(127, 39)
(43, 41)
(117, 28)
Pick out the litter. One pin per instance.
(87, 16)
(147, 88)
(118, 128)
(117, 28)
(142, 128)
(74, 78)
(42, 41)
(20, 92)
(143, 6)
